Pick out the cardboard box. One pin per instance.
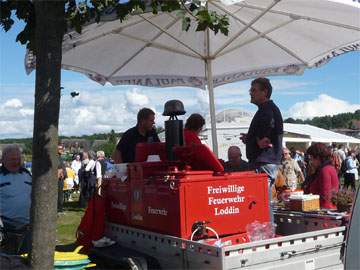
(305, 203)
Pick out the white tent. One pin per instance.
(298, 135)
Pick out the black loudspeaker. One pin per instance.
(174, 136)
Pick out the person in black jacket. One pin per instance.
(143, 132)
(264, 138)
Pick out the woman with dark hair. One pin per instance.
(193, 127)
(324, 181)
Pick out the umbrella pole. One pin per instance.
(210, 88)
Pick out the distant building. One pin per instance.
(347, 131)
(354, 131)
(299, 136)
(97, 143)
(75, 145)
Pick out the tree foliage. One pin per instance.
(79, 13)
(107, 147)
(342, 120)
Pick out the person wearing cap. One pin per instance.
(143, 132)
(193, 126)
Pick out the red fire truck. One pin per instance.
(167, 215)
(184, 212)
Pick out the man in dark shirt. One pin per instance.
(144, 131)
(264, 138)
(235, 163)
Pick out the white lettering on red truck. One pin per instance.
(155, 211)
(228, 210)
(222, 204)
(119, 206)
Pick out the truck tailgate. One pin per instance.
(312, 250)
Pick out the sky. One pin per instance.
(331, 89)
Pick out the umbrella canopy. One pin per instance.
(266, 37)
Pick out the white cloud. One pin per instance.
(13, 103)
(321, 106)
(202, 103)
(26, 112)
(99, 109)
(135, 100)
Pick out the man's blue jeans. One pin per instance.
(271, 171)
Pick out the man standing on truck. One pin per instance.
(143, 132)
(264, 138)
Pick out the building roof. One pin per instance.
(292, 132)
(317, 134)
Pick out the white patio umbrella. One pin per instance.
(266, 37)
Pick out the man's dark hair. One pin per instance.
(195, 122)
(265, 84)
(144, 114)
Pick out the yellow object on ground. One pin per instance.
(70, 260)
(70, 256)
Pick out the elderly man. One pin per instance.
(235, 163)
(15, 192)
(291, 170)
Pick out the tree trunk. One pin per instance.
(49, 32)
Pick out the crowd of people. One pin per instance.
(83, 176)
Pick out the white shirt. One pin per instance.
(341, 154)
(90, 167)
(76, 165)
(350, 165)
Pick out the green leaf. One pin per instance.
(203, 15)
(201, 26)
(180, 13)
(186, 23)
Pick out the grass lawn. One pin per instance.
(67, 223)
